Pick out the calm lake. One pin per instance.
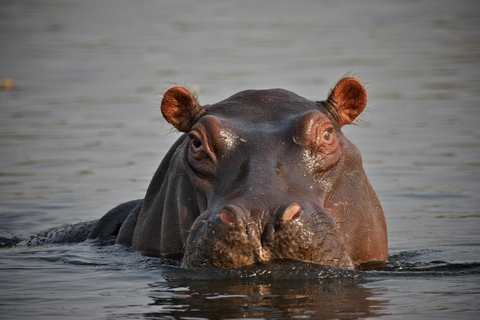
(81, 132)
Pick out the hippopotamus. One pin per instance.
(263, 176)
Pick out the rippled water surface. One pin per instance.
(81, 132)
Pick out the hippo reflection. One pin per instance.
(260, 177)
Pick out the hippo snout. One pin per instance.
(234, 237)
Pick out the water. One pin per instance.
(82, 132)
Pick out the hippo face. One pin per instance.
(263, 176)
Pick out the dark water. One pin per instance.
(82, 132)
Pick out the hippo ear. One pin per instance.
(181, 108)
(349, 99)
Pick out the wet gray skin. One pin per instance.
(264, 176)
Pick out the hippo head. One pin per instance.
(263, 176)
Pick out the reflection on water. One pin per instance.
(268, 300)
(286, 291)
(81, 132)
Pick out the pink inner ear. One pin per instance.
(350, 99)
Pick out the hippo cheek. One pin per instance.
(311, 238)
(221, 240)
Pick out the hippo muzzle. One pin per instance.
(232, 238)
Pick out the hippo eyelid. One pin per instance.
(310, 128)
(201, 157)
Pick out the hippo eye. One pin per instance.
(326, 135)
(201, 157)
(326, 140)
(196, 142)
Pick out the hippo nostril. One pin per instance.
(230, 214)
(226, 217)
(291, 212)
(286, 213)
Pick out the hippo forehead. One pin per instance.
(262, 121)
(262, 106)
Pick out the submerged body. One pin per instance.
(262, 176)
